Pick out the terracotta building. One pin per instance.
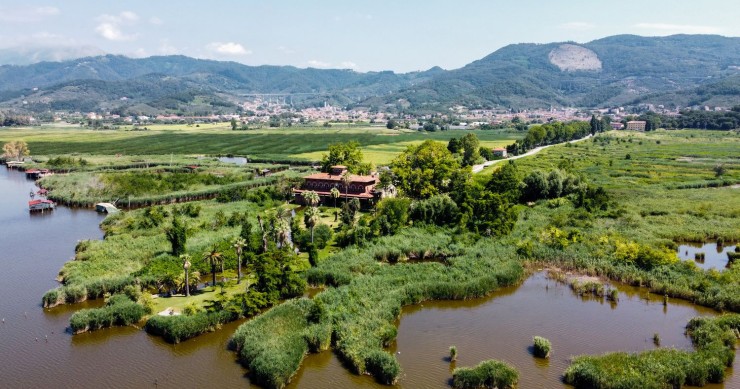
(360, 187)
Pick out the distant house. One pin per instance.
(499, 152)
(360, 187)
(617, 125)
(636, 125)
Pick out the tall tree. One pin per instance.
(214, 258)
(335, 194)
(346, 180)
(311, 217)
(238, 244)
(595, 125)
(311, 198)
(185, 258)
(470, 146)
(425, 170)
(177, 235)
(16, 149)
(347, 154)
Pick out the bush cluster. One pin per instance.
(119, 310)
(487, 374)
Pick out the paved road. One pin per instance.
(478, 168)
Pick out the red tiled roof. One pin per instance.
(338, 178)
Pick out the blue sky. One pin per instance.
(362, 35)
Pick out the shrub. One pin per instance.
(453, 353)
(120, 310)
(52, 298)
(175, 329)
(542, 347)
(383, 366)
(487, 374)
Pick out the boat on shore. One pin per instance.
(41, 205)
(106, 208)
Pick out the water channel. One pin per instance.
(37, 352)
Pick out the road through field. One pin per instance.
(479, 168)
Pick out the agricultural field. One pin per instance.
(281, 144)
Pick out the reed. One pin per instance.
(714, 339)
(542, 347)
(487, 374)
(120, 310)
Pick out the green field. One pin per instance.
(295, 143)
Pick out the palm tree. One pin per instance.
(311, 217)
(238, 243)
(311, 198)
(214, 257)
(185, 258)
(335, 194)
(346, 180)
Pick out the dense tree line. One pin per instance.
(551, 133)
(707, 120)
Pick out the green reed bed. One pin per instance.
(713, 338)
(119, 310)
(487, 374)
(272, 345)
(359, 315)
(175, 329)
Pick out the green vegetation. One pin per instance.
(120, 309)
(359, 312)
(580, 207)
(453, 353)
(542, 347)
(287, 145)
(714, 339)
(487, 374)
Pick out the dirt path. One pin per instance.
(479, 168)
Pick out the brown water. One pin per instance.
(502, 325)
(36, 352)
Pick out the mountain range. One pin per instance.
(678, 70)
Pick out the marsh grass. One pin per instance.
(714, 339)
(119, 310)
(487, 374)
(542, 347)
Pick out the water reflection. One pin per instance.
(706, 255)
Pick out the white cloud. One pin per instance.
(667, 28)
(27, 14)
(228, 48)
(318, 64)
(348, 65)
(166, 48)
(110, 26)
(577, 26)
(156, 21)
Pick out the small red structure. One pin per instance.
(41, 205)
(42, 192)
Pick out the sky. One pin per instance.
(364, 35)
